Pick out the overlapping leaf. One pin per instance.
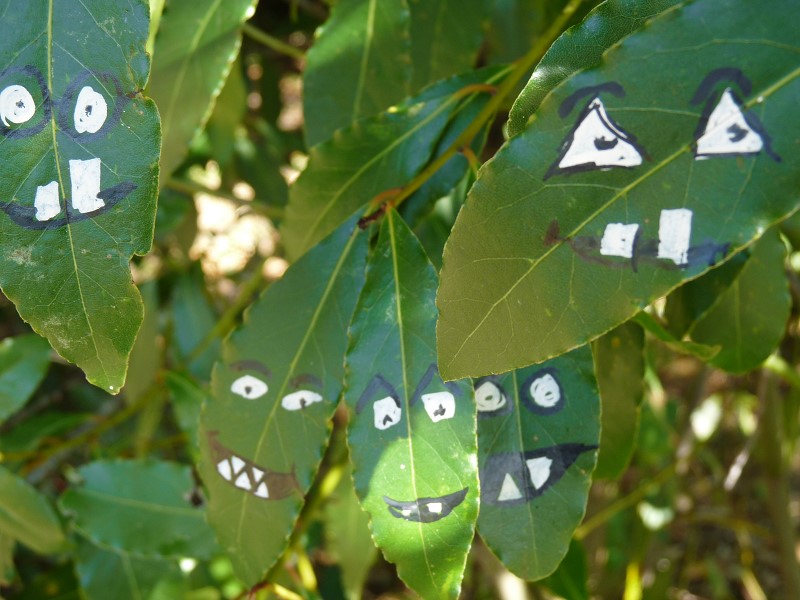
(358, 66)
(619, 366)
(264, 430)
(26, 515)
(369, 158)
(637, 175)
(581, 47)
(196, 45)
(139, 507)
(538, 429)
(79, 149)
(411, 437)
(23, 364)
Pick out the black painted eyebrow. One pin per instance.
(306, 378)
(426, 381)
(612, 87)
(731, 74)
(250, 365)
(378, 382)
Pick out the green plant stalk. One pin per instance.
(521, 68)
(271, 42)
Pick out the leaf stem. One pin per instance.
(272, 42)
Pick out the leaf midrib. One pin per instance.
(622, 192)
(142, 504)
(369, 34)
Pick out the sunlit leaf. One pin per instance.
(748, 319)
(140, 507)
(23, 365)
(79, 145)
(619, 366)
(26, 515)
(514, 25)
(146, 355)
(538, 430)
(658, 330)
(193, 318)
(7, 570)
(264, 430)
(411, 437)
(637, 176)
(581, 47)
(186, 398)
(371, 157)
(196, 45)
(358, 66)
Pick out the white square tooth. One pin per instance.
(85, 177)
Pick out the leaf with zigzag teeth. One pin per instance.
(79, 148)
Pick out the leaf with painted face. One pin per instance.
(265, 427)
(411, 436)
(637, 176)
(79, 148)
(538, 429)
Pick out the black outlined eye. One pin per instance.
(386, 411)
(91, 110)
(727, 132)
(490, 398)
(16, 105)
(542, 393)
(249, 387)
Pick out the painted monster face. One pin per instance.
(87, 111)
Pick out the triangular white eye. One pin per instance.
(249, 387)
(597, 143)
(727, 132)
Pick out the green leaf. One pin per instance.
(515, 25)
(582, 47)
(77, 194)
(655, 327)
(186, 398)
(146, 355)
(348, 539)
(370, 157)
(558, 263)
(568, 581)
(120, 499)
(411, 437)
(26, 516)
(7, 571)
(264, 430)
(197, 42)
(106, 572)
(748, 319)
(538, 430)
(23, 364)
(445, 37)
(193, 317)
(619, 366)
(358, 66)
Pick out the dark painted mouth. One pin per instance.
(247, 476)
(512, 478)
(426, 510)
(24, 216)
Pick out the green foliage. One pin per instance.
(357, 204)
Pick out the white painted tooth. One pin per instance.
(435, 507)
(539, 469)
(85, 176)
(47, 203)
(257, 474)
(238, 463)
(262, 491)
(405, 512)
(674, 234)
(618, 239)
(243, 481)
(509, 490)
(224, 469)
(91, 111)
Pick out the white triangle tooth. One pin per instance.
(238, 463)
(243, 481)
(262, 491)
(224, 469)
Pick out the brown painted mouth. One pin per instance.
(247, 476)
(426, 510)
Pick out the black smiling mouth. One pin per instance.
(24, 216)
(426, 510)
(247, 476)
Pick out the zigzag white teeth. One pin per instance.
(238, 463)
(257, 474)
(224, 469)
(85, 176)
(243, 481)
(262, 491)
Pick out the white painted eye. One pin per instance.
(727, 132)
(300, 399)
(439, 405)
(249, 387)
(16, 105)
(91, 111)
(386, 412)
(545, 391)
(597, 142)
(489, 397)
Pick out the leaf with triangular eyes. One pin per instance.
(637, 175)
(79, 148)
(411, 437)
(538, 431)
(265, 427)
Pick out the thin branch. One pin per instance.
(271, 42)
